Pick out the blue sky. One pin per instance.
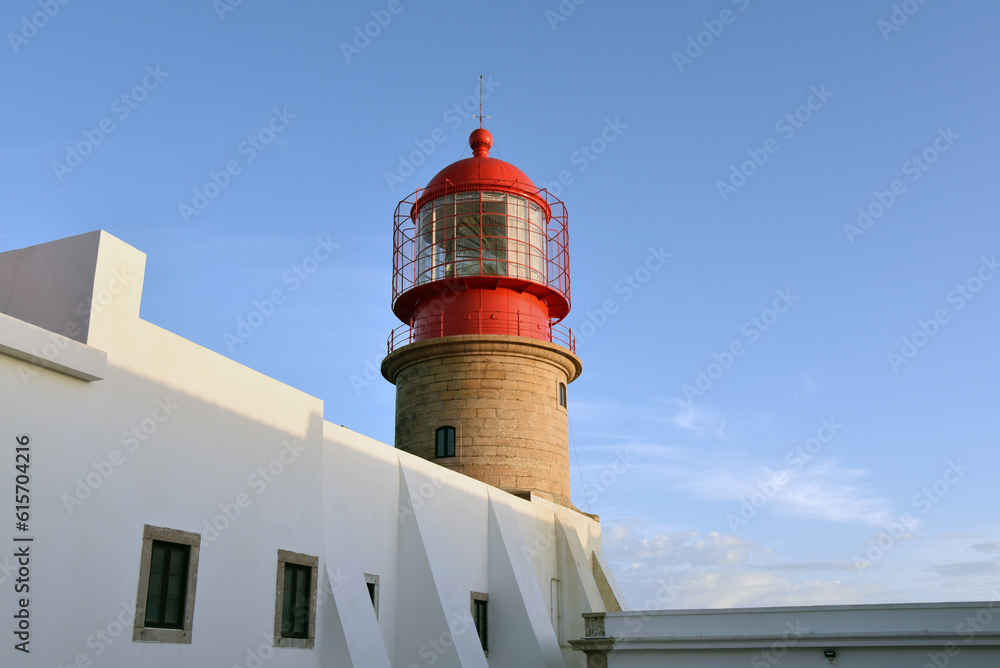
(798, 405)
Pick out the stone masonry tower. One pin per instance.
(481, 279)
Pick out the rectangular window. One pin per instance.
(444, 442)
(295, 600)
(295, 603)
(167, 583)
(480, 616)
(168, 574)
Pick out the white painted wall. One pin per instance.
(206, 426)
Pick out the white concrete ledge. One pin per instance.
(52, 351)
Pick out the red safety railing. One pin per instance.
(488, 322)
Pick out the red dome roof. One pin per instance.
(479, 171)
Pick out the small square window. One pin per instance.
(444, 442)
(295, 600)
(168, 569)
(480, 616)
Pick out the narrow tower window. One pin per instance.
(444, 442)
(562, 394)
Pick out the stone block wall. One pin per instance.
(501, 393)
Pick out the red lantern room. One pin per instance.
(480, 250)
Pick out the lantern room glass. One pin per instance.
(480, 233)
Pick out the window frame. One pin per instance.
(181, 635)
(563, 395)
(484, 633)
(312, 563)
(443, 429)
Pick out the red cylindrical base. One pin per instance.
(481, 311)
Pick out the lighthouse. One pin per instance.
(481, 364)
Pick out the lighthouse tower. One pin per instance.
(481, 366)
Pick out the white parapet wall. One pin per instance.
(433, 537)
(914, 635)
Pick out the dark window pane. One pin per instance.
(301, 609)
(287, 598)
(154, 593)
(295, 602)
(165, 597)
(444, 442)
(494, 226)
(466, 208)
(479, 616)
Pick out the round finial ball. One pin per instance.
(480, 141)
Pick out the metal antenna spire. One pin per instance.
(481, 117)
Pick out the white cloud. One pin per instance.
(992, 547)
(967, 569)
(821, 489)
(697, 417)
(680, 568)
(802, 483)
(632, 543)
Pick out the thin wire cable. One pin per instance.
(576, 453)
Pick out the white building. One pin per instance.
(139, 444)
